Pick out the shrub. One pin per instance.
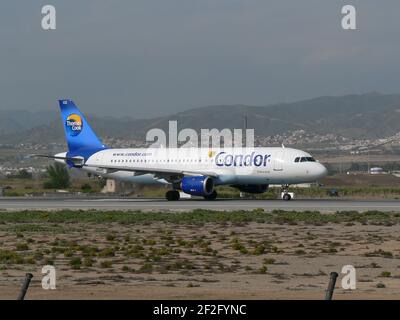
(106, 264)
(22, 247)
(22, 174)
(86, 188)
(75, 263)
(9, 257)
(263, 269)
(269, 261)
(88, 251)
(38, 255)
(59, 177)
(107, 252)
(30, 260)
(147, 267)
(88, 262)
(237, 245)
(149, 242)
(110, 237)
(260, 249)
(385, 274)
(380, 252)
(68, 253)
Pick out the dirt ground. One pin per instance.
(362, 180)
(227, 260)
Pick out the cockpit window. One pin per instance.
(304, 159)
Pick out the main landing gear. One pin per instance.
(211, 196)
(285, 193)
(172, 195)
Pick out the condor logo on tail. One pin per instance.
(74, 124)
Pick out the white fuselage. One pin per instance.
(231, 166)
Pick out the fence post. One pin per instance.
(331, 286)
(25, 286)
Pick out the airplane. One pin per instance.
(194, 171)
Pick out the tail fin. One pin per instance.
(81, 139)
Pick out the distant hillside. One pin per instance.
(369, 115)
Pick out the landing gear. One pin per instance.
(285, 193)
(172, 195)
(211, 196)
(287, 197)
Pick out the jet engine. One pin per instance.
(197, 185)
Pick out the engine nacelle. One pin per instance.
(197, 185)
(252, 188)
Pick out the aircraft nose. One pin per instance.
(321, 171)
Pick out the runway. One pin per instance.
(327, 205)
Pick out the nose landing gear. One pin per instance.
(287, 197)
(285, 193)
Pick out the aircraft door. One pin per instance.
(278, 161)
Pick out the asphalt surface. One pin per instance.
(327, 205)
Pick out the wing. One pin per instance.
(162, 173)
(169, 174)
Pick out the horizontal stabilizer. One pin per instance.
(77, 161)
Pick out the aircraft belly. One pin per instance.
(128, 176)
(146, 179)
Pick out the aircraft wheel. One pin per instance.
(172, 195)
(286, 197)
(211, 196)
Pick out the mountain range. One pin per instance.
(370, 115)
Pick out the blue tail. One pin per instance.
(81, 139)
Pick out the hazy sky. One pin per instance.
(145, 58)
